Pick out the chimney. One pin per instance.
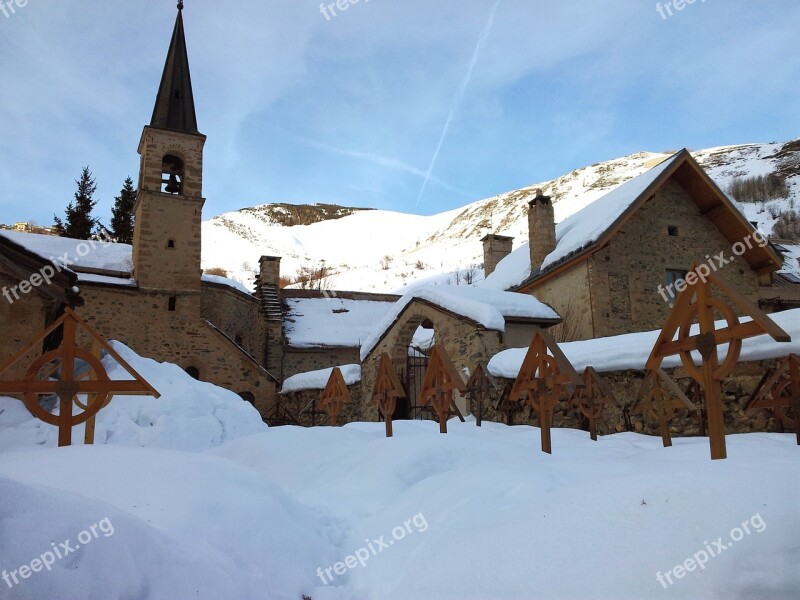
(541, 228)
(270, 273)
(495, 249)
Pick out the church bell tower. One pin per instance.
(169, 205)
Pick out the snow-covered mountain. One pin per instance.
(385, 251)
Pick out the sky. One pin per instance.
(413, 106)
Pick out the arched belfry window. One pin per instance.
(171, 175)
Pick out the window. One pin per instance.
(248, 397)
(673, 277)
(193, 372)
(239, 340)
(171, 244)
(672, 230)
(173, 303)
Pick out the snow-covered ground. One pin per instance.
(177, 501)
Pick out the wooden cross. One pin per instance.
(481, 385)
(98, 387)
(660, 397)
(592, 398)
(542, 379)
(440, 382)
(780, 390)
(335, 395)
(386, 391)
(697, 303)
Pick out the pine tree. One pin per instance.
(122, 214)
(79, 221)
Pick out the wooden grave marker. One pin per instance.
(660, 397)
(386, 391)
(438, 387)
(97, 387)
(592, 398)
(780, 393)
(697, 302)
(545, 375)
(335, 395)
(480, 386)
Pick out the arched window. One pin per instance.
(171, 175)
(193, 372)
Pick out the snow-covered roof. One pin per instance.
(580, 230)
(791, 260)
(228, 282)
(89, 254)
(487, 307)
(631, 351)
(317, 380)
(107, 263)
(333, 321)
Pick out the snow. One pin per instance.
(107, 256)
(486, 515)
(106, 280)
(631, 351)
(317, 380)
(190, 415)
(228, 282)
(486, 307)
(338, 322)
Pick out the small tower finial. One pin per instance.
(180, 4)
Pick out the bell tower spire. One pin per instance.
(169, 204)
(174, 109)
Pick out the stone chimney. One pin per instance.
(541, 228)
(495, 249)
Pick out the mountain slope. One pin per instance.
(384, 251)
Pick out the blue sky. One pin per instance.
(300, 108)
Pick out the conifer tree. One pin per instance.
(122, 214)
(79, 222)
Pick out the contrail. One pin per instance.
(383, 161)
(460, 92)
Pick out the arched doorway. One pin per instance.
(193, 372)
(418, 340)
(248, 397)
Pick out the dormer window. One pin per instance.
(171, 175)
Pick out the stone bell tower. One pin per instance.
(169, 205)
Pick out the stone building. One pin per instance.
(472, 325)
(612, 267)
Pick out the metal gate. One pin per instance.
(416, 366)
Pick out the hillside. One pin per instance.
(373, 250)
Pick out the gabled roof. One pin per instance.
(590, 229)
(174, 109)
(486, 308)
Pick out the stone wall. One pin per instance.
(625, 275)
(21, 321)
(300, 406)
(180, 337)
(303, 360)
(237, 315)
(625, 385)
(570, 297)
